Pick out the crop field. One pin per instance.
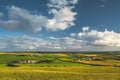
(59, 66)
(60, 73)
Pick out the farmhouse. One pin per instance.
(29, 61)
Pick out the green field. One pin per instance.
(59, 66)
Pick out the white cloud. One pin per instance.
(62, 19)
(61, 3)
(85, 28)
(89, 40)
(23, 20)
(67, 43)
(100, 38)
(73, 34)
(63, 16)
(26, 43)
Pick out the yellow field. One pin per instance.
(90, 55)
(60, 73)
(59, 54)
(105, 63)
(2, 53)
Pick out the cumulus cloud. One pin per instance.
(63, 16)
(100, 38)
(23, 20)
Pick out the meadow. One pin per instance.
(59, 66)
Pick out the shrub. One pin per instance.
(12, 65)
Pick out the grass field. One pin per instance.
(60, 67)
(60, 73)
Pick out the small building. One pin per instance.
(28, 61)
(89, 59)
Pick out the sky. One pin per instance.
(59, 25)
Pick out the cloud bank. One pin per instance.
(88, 40)
(26, 43)
(23, 20)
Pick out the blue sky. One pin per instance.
(63, 25)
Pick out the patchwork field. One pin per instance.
(59, 66)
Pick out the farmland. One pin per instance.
(59, 66)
